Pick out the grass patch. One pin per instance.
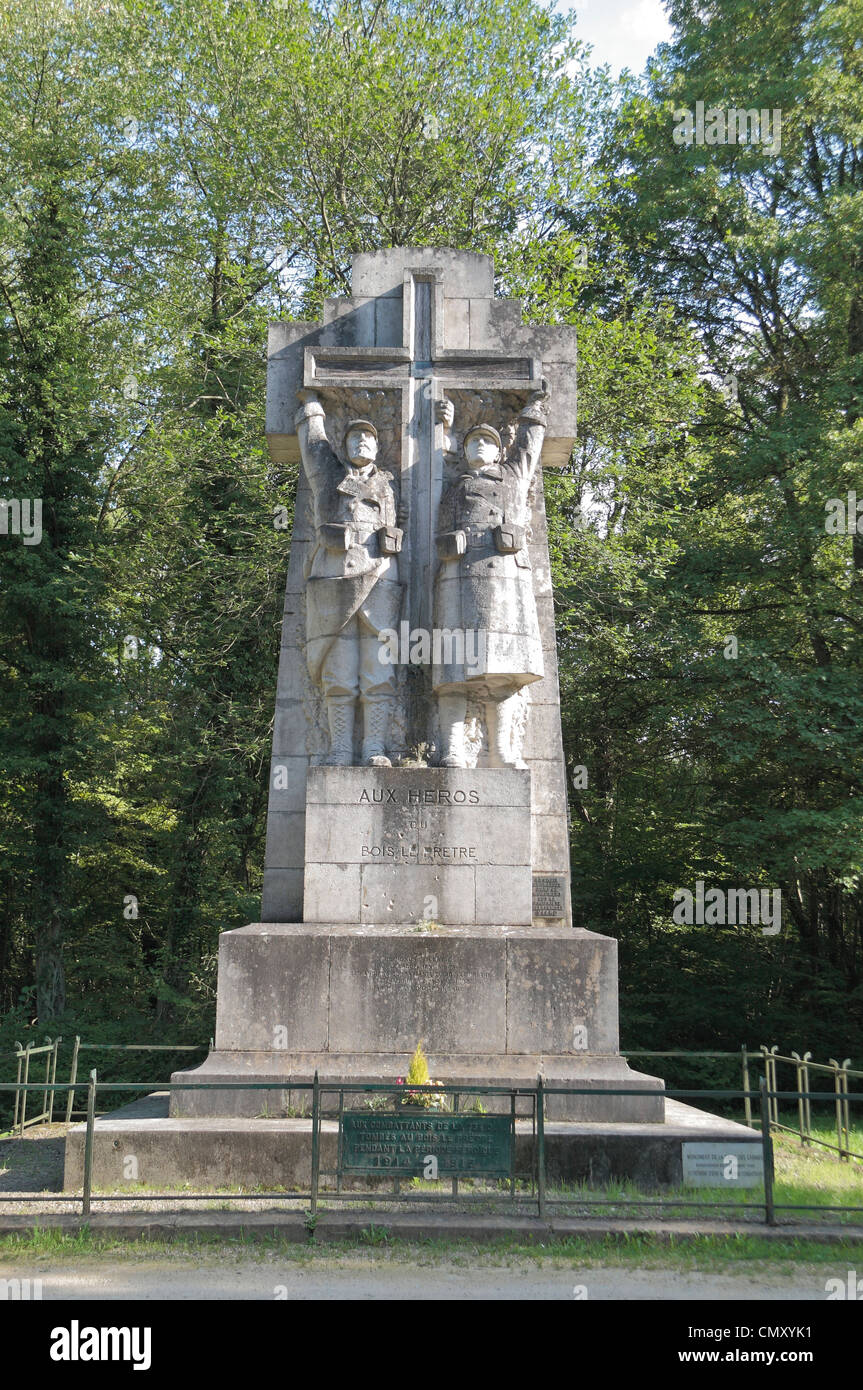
(718, 1254)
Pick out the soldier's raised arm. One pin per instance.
(445, 415)
(529, 439)
(318, 457)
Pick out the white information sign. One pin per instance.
(723, 1165)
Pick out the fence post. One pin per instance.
(767, 1154)
(840, 1086)
(540, 1147)
(846, 1107)
(316, 1100)
(798, 1067)
(73, 1077)
(18, 1094)
(837, 1090)
(747, 1103)
(770, 1078)
(88, 1144)
(807, 1105)
(23, 1114)
(52, 1067)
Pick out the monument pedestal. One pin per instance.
(420, 926)
(492, 1006)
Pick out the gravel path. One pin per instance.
(365, 1278)
(34, 1163)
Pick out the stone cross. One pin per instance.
(432, 334)
(420, 324)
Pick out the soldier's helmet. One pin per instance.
(357, 425)
(490, 433)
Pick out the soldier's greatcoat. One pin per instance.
(484, 591)
(356, 578)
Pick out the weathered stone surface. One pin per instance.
(493, 1003)
(543, 727)
(456, 323)
(334, 889)
(285, 837)
(549, 843)
(282, 887)
(389, 325)
(397, 894)
(354, 319)
(418, 837)
(273, 990)
(464, 272)
(566, 1001)
(494, 321)
(548, 788)
(276, 1153)
(389, 991)
(502, 895)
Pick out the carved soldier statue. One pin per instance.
(484, 584)
(353, 591)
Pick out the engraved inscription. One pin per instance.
(418, 796)
(422, 854)
(548, 896)
(462, 1144)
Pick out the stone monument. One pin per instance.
(416, 882)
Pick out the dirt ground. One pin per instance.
(34, 1163)
(371, 1277)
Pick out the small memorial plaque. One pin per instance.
(548, 896)
(723, 1165)
(463, 1145)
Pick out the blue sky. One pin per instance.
(623, 33)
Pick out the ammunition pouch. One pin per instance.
(508, 539)
(390, 540)
(451, 544)
(335, 537)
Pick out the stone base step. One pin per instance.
(594, 1073)
(268, 1154)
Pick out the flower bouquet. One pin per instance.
(418, 1075)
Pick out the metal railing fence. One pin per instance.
(840, 1072)
(23, 1056)
(538, 1095)
(78, 1047)
(768, 1057)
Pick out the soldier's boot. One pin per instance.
(340, 716)
(451, 712)
(500, 723)
(377, 712)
